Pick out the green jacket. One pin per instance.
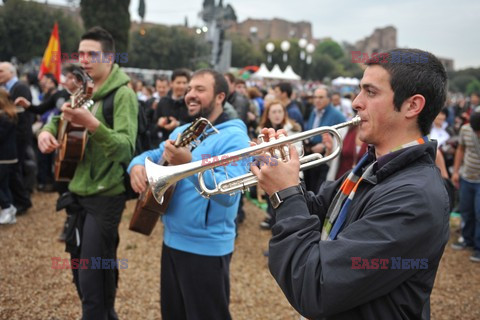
(101, 172)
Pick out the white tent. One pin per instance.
(289, 74)
(341, 81)
(261, 73)
(276, 72)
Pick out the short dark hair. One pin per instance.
(475, 119)
(181, 73)
(230, 77)
(51, 77)
(445, 112)
(162, 78)
(426, 77)
(220, 84)
(336, 93)
(285, 87)
(101, 35)
(71, 68)
(240, 81)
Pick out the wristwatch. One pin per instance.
(278, 197)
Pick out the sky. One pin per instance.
(449, 29)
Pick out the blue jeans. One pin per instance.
(470, 210)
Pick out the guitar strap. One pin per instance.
(93, 111)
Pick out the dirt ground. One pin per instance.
(31, 289)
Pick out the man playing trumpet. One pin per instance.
(199, 233)
(369, 244)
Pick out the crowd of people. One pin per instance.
(390, 163)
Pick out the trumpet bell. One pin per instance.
(159, 178)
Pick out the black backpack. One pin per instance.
(142, 143)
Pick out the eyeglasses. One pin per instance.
(318, 97)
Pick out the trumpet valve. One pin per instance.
(284, 151)
(260, 138)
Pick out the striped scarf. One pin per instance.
(337, 212)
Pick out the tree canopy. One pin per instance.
(25, 29)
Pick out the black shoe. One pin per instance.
(461, 246)
(46, 187)
(22, 209)
(62, 237)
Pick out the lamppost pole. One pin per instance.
(285, 46)
(270, 47)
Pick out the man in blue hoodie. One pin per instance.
(199, 233)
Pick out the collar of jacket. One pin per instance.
(395, 161)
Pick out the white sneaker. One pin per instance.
(8, 215)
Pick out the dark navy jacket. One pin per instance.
(400, 212)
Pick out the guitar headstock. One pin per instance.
(81, 96)
(194, 131)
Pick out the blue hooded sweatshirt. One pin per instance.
(195, 224)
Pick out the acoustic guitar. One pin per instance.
(148, 210)
(73, 138)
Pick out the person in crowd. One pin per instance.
(439, 130)
(352, 151)
(368, 246)
(199, 233)
(343, 105)
(18, 186)
(8, 156)
(237, 98)
(171, 111)
(97, 194)
(162, 86)
(466, 177)
(324, 114)
(283, 92)
(53, 99)
(276, 116)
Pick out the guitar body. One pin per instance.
(148, 210)
(73, 138)
(72, 148)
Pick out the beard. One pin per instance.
(205, 111)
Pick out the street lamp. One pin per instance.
(285, 46)
(302, 43)
(310, 49)
(269, 47)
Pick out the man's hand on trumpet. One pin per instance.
(283, 174)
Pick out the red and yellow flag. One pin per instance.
(51, 62)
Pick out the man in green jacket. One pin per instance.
(97, 191)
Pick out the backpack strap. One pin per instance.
(107, 108)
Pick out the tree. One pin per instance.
(473, 87)
(167, 48)
(112, 15)
(25, 27)
(330, 48)
(460, 82)
(243, 52)
(323, 66)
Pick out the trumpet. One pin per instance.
(161, 178)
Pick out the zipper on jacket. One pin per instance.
(206, 213)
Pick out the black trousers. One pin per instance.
(99, 239)
(20, 194)
(194, 287)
